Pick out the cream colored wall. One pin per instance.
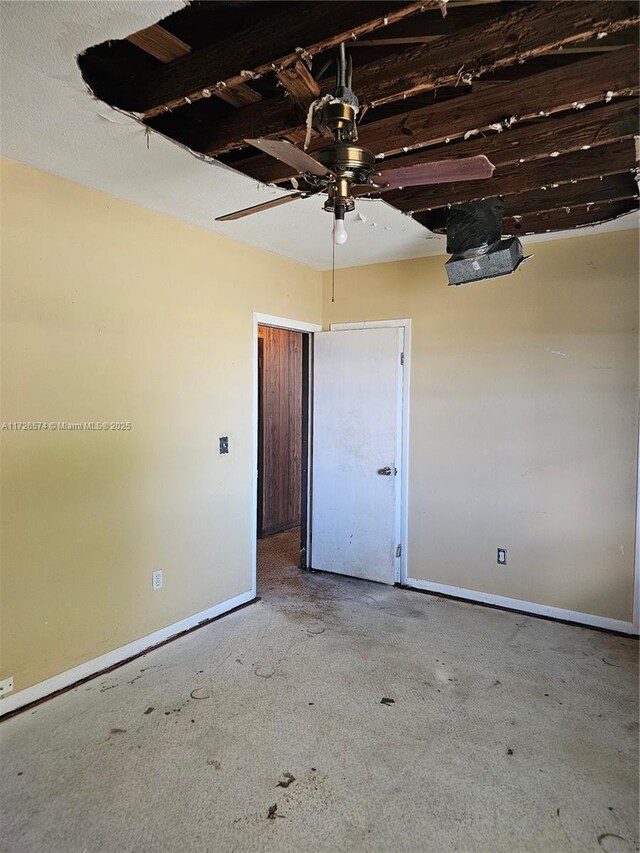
(524, 419)
(114, 313)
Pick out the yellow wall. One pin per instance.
(114, 313)
(524, 419)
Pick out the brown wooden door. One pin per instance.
(279, 429)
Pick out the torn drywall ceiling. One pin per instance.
(50, 121)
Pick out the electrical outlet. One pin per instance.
(157, 579)
(502, 556)
(6, 686)
(224, 443)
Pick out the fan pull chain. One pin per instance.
(333, 263)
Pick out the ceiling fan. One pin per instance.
(338, 166)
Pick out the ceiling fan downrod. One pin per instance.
(335, 168)
(348, 162)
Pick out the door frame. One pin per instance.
(402, 513)
(292, 326)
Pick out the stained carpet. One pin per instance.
(338, 715)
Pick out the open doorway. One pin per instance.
(282, 449)
(330, 478)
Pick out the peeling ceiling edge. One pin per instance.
(156, 211)
(626, 222)
(50, 123)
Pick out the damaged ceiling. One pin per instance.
(547, 90)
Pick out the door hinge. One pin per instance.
(401, 358)
(399, 551)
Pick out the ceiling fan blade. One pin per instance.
(292, 156)
(438, 172)
(256, 208)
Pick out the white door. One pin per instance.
(357, 412)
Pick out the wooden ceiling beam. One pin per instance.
(583, 81)
(166, 47)
(590, 49)
(426, 29)
(535, 97)
(544, 138)
(588, 46)
(561, 220)
(277, 42)
(523, 33)
(563, 133)
(566, 197)
(238, 96)
(276, 117)
(581, 196)
(158, 42)
(606, 160)
(522, 212)
(545, 62)
(298, 81)
(298, 136)
(432, 25)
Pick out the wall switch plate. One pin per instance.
(6, 686)
(157, 579)
(224, 444)
(502, 556)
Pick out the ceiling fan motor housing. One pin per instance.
(347, 161)
(351, 164)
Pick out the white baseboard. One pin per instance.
(588, 619)
(14, 701)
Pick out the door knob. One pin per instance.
(385, 472)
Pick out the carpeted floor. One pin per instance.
(338, 715)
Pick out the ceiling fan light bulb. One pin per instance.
(339, 232)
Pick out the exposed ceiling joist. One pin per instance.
(298, 136)
(429, 27)
(586, 192)
(572, 87)
(621, 39)
(561, 220)
(299, 83)
(475, 51)
(238, 96)
(527, 31)
(600, 48)
(158, 42)
(531, 141)
(544, 89)
(606, 160)
(258, 50)
(272, 117)
(582, 82)
(580, 196)
(166, 47)
(383, 42)
(432, 25)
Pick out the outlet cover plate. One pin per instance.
(6, 686)
(156, 580)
